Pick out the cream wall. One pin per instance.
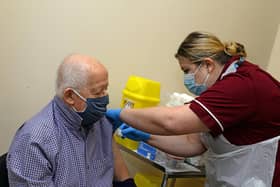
(129, 37)
(274, 61)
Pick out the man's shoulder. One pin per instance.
(40, 127)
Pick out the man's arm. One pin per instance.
(121, 175)
(120, 169)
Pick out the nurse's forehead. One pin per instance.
(184, 61)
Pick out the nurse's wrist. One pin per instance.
(149, 140)
(146, 137)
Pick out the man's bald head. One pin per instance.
(74, 72)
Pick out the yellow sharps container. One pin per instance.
(139, 92)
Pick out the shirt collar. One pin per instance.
(71, 118)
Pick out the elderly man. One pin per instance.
(69, 142)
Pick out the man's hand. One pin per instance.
(134, 134)
(113, 116)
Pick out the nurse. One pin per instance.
(234, 119)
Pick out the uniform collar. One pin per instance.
(227, 65)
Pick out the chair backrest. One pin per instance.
(3, 171)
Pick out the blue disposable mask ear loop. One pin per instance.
(197, 69)
(206, 79)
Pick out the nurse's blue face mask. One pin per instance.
(95, 110)
(191, 85)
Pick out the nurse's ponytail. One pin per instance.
(234, 49)
(199, 45)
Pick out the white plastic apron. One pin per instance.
(228, 165)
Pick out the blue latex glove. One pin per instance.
(134, 134)
(113, 116)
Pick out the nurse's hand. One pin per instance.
(113, 116)
(134, 134)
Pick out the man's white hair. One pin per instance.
(71, 74)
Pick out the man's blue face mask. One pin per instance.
(95, 110)
(190, 84)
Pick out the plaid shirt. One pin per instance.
(51, 149)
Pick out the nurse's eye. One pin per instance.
(186, 71)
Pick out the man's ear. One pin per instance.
(68, 95)
(210, 64)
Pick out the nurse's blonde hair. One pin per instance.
(199, 45)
